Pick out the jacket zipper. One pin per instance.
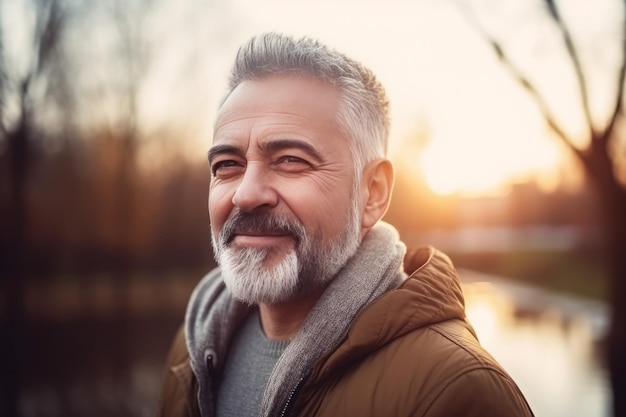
(208, 399)
(293, 394)
(210, 366)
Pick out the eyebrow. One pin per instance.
(271, 146)
(223, 149)
(282, 144)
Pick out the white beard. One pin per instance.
(308, 267)
(251, 282)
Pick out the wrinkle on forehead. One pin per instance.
(280, 108)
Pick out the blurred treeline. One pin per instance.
(84, 217)
(103, 228)
(102, 284)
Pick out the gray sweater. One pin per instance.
(250, 361)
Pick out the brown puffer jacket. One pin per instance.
(409, 353)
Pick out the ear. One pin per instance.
(376, 186)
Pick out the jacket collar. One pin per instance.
(431, 294)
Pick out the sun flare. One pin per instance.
(477, 160)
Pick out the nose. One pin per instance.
(255, 190)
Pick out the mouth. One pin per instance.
(259, 239)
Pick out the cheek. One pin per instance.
(219, 205)
(319, 207)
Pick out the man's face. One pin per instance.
(282, 196)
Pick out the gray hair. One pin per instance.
(364, 109)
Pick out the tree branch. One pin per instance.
(49, 25)
(571, 50)
(523, 80)
(619, 98)
(3, 82)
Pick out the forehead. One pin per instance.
(282, 102)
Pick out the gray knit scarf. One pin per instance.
(212, 315)
(373, 270)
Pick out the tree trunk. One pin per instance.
(14, 280)
(614, 210)
(612, 198)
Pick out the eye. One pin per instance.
(222, 168)
(291, 162)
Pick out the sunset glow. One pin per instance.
(484, 133)
(480, 129)
(487, 164)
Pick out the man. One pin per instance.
(311, 312)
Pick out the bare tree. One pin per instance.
(600, 160)
(25, 84)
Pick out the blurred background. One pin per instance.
(508, 142)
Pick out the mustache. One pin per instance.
(261, 222)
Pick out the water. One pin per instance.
(549, 343)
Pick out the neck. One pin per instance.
(282, 321)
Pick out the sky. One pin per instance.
(445, 84)
(458, 118)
